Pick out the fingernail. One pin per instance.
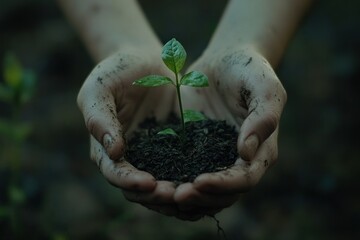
(107, 142)
(251, 146)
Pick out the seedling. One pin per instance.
(174, 56)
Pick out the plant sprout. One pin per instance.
(174, 56)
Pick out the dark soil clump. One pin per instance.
(208, 146)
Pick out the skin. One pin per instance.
(244, 90)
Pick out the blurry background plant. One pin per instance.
(16, 90)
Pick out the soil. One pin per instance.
(208, 146)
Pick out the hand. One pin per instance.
(112, 107)
(245, 91)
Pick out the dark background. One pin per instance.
(312, 193)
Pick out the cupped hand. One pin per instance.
(113, 107)
(245, 91)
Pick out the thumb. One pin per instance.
(261, 122)
(100, 115)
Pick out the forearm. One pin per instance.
(266, 25)
(109, 25)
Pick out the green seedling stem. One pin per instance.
(174, 56)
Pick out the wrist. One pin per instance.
(139, 48)
(101, 46)
(270, 52)
(217, 54)
(265, 25)
(107, 26)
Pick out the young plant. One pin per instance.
(174, 56)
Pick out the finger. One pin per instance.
(243, 175)
(120, 173)
(263, 118)
(188, 197)
(99, 110)
(162, 194)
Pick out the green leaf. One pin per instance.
(193, 116)
(168, 131)
(152, 81)
(20, 83)
(195, 79)
(174, 55)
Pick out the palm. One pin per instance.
(213, 102)
(110, 84)
(224, 99)
(134, 103)
(112, 106)
(242, 86)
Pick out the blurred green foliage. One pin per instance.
(16, 90)
(19, 83)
